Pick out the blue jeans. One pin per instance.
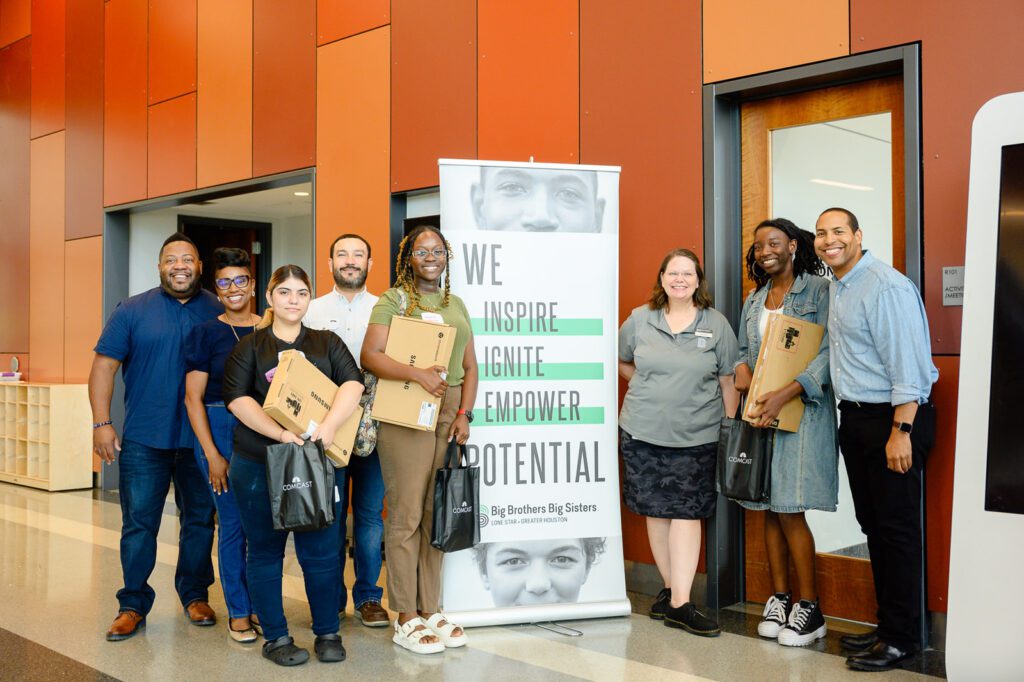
(146, 474)
(231, 537)
(317, 552)
(368, 526)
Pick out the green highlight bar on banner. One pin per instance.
(552, 371)
(518, 417)
(580, 326)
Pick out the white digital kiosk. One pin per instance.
(986, 582)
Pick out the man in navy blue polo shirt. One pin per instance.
(144, 337)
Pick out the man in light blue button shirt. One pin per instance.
(882, 373)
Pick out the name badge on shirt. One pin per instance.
(433, 317)
(702, 337)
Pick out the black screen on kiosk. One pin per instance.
(1004, 476)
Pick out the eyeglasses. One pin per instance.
(224, 283)
(422, 253)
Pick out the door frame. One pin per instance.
(722, 241)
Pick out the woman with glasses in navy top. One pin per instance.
(206, 348)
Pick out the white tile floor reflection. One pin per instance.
(59, 570)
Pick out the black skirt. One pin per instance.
(669, 483)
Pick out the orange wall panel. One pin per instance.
(83, 305)
(172, 146)
(224, 115)
(172, 48)
(15, 20)
(433, 92)
(970, 54)
(529, 80)
(124, 102)
(284, 86)
(46, 259)
(337, 19)
(743, 37)
(939, 482)
(84, 104)
(47, 66)
(15, 87)
(353, 92)
(630, 118)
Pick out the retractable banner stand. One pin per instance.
(535, 258)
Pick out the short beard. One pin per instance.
(343, 284)
(165, 284)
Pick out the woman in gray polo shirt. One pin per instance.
(678, 354)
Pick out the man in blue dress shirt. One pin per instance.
(144, 338)
(882, 373)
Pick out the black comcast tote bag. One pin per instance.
(300, 479)
(745, 460)
(456, 502)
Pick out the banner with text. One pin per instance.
(535, 258)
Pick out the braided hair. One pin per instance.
(406, 280)
(805, 260)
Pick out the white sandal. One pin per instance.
(408, 637)
(444, 632)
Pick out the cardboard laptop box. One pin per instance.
(300, 396)
(412, 341)
(789, 346)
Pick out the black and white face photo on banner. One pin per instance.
(535, 258)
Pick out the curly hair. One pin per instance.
(406, 280)
(593, 548)
(805, 259)
(701, 297)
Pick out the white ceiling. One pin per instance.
(276, 203)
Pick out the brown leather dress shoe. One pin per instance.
(372, 615)
(199, 613)
(127, 624)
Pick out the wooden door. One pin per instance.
(845, 585)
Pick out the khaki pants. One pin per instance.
(408, 460)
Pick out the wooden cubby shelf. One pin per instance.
(46, 435)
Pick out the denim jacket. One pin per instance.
(805, 462)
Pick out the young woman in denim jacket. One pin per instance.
(787, 271)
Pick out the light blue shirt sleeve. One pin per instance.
(898, 325)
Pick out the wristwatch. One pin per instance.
(469, 415)
(905, 427)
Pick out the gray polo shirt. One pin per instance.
(674, 398)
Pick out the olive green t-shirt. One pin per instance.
(455, 315)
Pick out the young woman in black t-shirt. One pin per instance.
(247, 376)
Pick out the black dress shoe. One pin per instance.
(859, 642)
(879, 657)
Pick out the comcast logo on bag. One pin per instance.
(464, 508)
(296, 484)
(742, 459)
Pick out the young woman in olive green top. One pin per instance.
(409, 457)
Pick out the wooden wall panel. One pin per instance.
(224, 116)
(529, 80)
(172, 146)
(83, 305)
(172, 48)
(15, 20)
(124, 102)
(46, 258)
(743, 37)
(353, 91)
(84, 100)
(15, 89)
(336, 19)
(284, 86)
(623, 52)
(47, 66)
(433, 92)
(970, 55)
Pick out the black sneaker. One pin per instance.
(329, 649)
(806, 624)
(775, 615)
(661, 604)
(688, 618)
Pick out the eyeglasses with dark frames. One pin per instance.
(224, 283)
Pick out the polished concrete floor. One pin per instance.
(60, 569)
